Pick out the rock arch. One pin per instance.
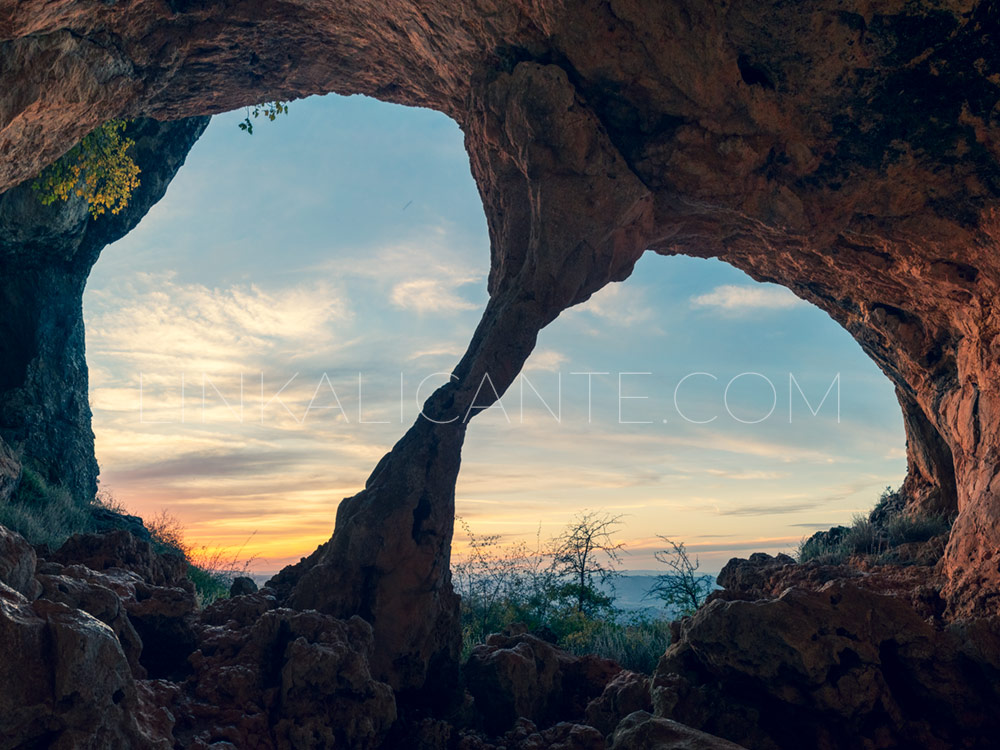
(849, 152)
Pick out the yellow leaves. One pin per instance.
(98, 169)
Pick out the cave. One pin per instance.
(849, 153)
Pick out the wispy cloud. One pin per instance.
(733, 298)
(424, 274)
(618, 304)
(547, 360)
(153, 321)
(431, 296)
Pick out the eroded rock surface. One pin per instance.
(850, 151)
(46, 253)
(641, 731)
(521, 676)
(847, 151)
(835, 667)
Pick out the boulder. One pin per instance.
(242, 586)
(522, 676)
(835, 667)
(65, 683)
(641, 731)
(122, 550)
(752, 577)
(286, 680)
(627, 693)
(17, 563)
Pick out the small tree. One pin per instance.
(683, 588)
(100, 169)
(585, 554)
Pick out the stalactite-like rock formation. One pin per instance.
(850, 151)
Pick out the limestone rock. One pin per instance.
(752, 576)
(242, 586)
(99, 596)
(289, 680)
(627, 693)
(522, 676)
(46, 253)
(17, 563)
(837, 667)
(122, 550)
(641, 731)
(64, 682)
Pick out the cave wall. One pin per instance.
(46, 253)
(848, 150)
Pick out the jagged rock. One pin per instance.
(752, 576)
(105, 520)
(627, 693)
(562, 736)
(122, 550)
(837, 667)
(641, 731)
(522, 676)
(911, 575)
(241, 611)
(64, 682)
(847, 150)
(102, 597)
(17, 563)
(242, 586)
(46, 253)
(157, 594)
(289, 680)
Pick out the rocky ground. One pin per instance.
(103, 645)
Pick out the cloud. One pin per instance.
(619, 305)
(423, 274)
(546, 360)
(155, 323)
(431, 296)
(733, 298)
(749, 474)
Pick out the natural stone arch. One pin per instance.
(847, 152)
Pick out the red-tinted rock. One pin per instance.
(64, 682)
(124, 551)
(627, 693)
(641, 731)
(522, 676)
(17, 563)
(288, 680)
(837, 667)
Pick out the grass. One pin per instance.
(637, 644)
(210, 570)
(876, 535)
(43, 514)
(48, 515)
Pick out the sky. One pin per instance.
(269, 330)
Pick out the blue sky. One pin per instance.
(346, 242)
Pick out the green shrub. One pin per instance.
(863, 537)
(44, 514)
(907, 529)
(887, 526)
(636, 644)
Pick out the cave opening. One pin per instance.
(281, 342)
